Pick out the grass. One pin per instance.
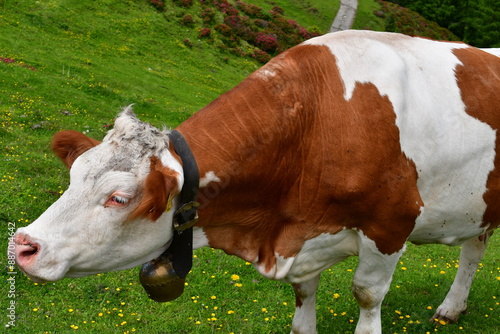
(364, 16)
(68, 64)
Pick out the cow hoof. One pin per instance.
(440, 319)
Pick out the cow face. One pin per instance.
(116, 212)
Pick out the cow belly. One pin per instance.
(316, 255)
(446, 227)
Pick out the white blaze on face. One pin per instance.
(88, 230)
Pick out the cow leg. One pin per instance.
(370, 284)
(456, 300)
(304, 320)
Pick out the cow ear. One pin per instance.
(69, 145)
(160, 187)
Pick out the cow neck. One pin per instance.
(186, 215)
(235, 140)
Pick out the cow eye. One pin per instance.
(116, 200)
(119, 199)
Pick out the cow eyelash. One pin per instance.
(119, 199)
(116, 200)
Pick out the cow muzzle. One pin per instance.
(26, 252)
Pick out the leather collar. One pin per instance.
(186, 215)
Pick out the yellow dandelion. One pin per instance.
(235, 277)
(213, 297)
(336, 295)
(230, 312)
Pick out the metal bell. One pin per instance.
(159, 279)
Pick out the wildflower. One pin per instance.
(235, 277)
(230, 312)
(213, 297)
(336, 295)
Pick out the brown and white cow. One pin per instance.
(352, 143)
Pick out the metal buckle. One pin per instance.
(182, 220)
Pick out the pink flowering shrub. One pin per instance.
(186, 3)
(241, 25)
(261, 56)
(204, 32)
(207, 15)
(7, 60)
(187, 20)
(157, 4)
(251, 10)
(187, 42)
(224, 29)
(225, 7)
(266, 42)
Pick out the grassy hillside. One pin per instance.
(385, 16)
(72, 64)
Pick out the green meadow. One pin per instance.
(70, 64)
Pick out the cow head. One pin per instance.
(116, 213)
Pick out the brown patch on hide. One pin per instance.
(69, 145)
(479, 80)
(160, 184)
(297, 160)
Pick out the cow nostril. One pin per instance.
(26, 252)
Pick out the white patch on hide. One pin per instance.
(209, 177)
(199, 238)
(279, 270)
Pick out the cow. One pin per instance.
(349, 144)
